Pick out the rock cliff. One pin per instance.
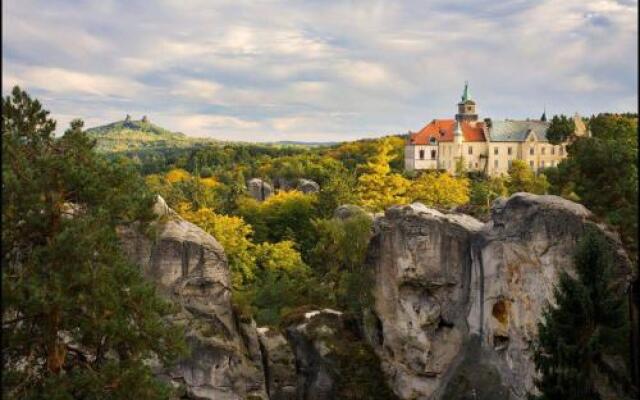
(189, 266)
(457, 301)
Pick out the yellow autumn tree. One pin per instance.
(377, 187)
(279, 256)
(177, 175)
(440, 190)
(235, 237)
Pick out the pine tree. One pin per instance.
(78, 320)
(587, 322)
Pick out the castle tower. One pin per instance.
(458, 138)
(466, 107)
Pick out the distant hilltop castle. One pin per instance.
(144, 118)
(487, 145)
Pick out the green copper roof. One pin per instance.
(466, 95)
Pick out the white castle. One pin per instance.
(488, 146)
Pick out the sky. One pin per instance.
(318, 70)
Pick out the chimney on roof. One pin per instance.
(487, 122)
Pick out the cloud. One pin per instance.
(59, 80)
(329, 70)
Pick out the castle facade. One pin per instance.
(487, 146)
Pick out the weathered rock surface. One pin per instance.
(280, 365)
(347, 211)
(189, 266)
(311, 341)
(259, 189)
(457, 301)
(308, 186)
(456, 306)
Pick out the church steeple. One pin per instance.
(543, 118)
(466, 107)
(466, 95)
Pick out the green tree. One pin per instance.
(587, 323)
(79, 321)
(523, 179)
(560, 129)
(602, 170)
(485, 191)
(283, 216)
(338, 190)
(338, 256)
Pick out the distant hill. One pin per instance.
(305, 144)
(131, 134)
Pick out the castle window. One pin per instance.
(543, 150)
(531, 151)
(561, 150)
(422, 154)
(541, 164)
(433, 154)
(509, 150)
(495, 163)
(553, 150)
(470, 150)
(495, 150)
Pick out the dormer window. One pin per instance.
(432, 140)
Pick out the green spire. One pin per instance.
(466, 95)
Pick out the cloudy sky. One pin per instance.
(324, 70)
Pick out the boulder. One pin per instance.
(190, 267)
(259, 189)
(280, 183)
(456, 302)
(347, 211)
(308, 186)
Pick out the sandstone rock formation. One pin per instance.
(308, 186)
(310, 339)
(347, 211)
(189, 266)
(279, 365)
(457, 301)
(280, 183)
(259, 189)
(455, 310)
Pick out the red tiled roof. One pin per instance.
(442, 131)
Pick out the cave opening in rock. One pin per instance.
(500, 311)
